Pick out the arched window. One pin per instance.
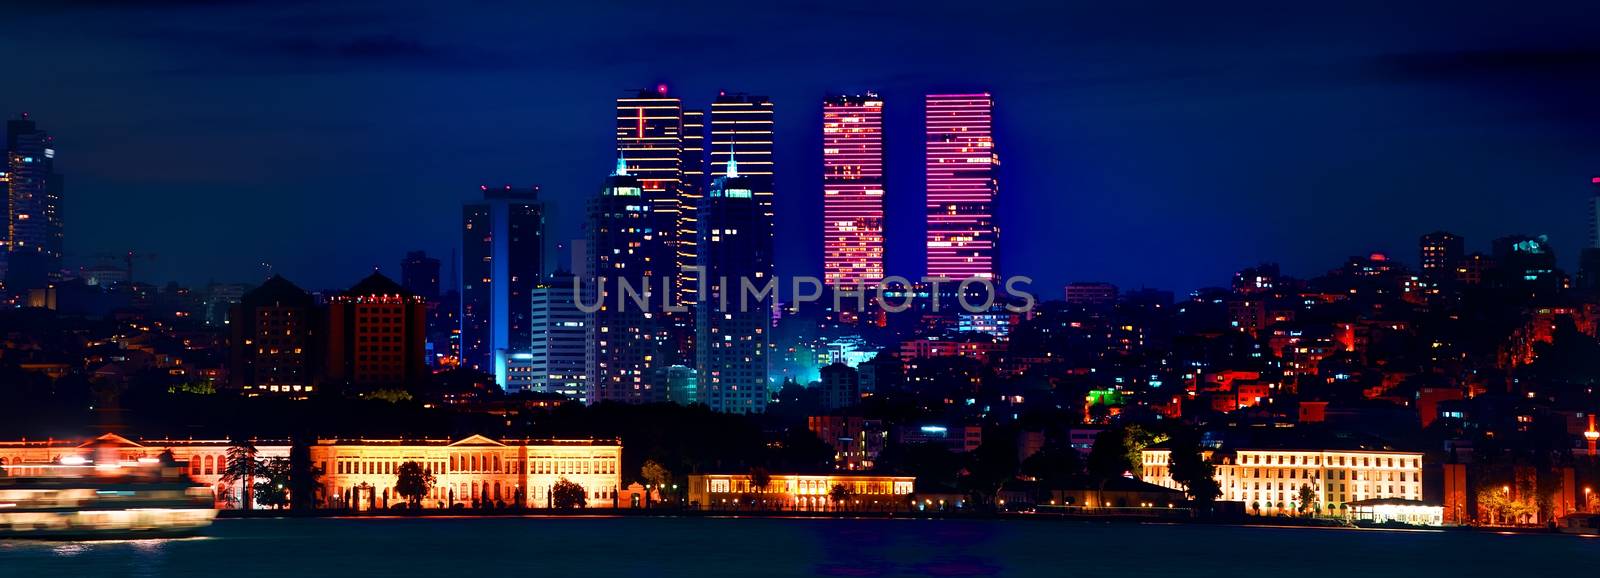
(210, 466)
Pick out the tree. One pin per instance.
(759, 480)
(1119, 451)
(989, 468)
(801, 450)
(839, 494)
(567, 495)
(654, 474)
(1503, 510)
(413, 483)
(1054, 466)
(241, 469)
(1190, 469)
(1308, 499)
(273, 489)
(305, 486)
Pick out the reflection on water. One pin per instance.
(70, 549)
(701, 547)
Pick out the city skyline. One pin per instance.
(753, 281)
(1136, 181)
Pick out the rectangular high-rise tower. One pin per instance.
(627, 342)
(662, 146)
(732, 335)
(560, 332)
(741, 128)
(963, 235)
(690, 189)
(852, 190)
(502, 249)
(33, 226)
(650, 142)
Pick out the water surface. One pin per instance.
(706, 547)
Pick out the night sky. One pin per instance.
(1142, 143)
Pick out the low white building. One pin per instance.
(1269, 481)
(1390, 510)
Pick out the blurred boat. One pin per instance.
(78, 499)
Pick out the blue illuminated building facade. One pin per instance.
(502, 251)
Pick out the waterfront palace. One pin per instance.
(802, 492)
(1269, 481)
(360, 474)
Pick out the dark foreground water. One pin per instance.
(701, 547)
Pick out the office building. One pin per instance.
(34, 233)
(502, 250)
(856, 441)
(626, 341)
(650, 142)
(840, 385)
(276, 344)
(556, 359)
(731, 332)
(690, 189)
(1440, 251)
(741, 125)
(376, 335)
(962, 188)
(1589, 257)
(1090, 293)
(680, 384)
(852, 190)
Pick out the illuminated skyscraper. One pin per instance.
(690, 189)
(741, 125)
(625, 343)
(962, 232)
(852, 190)
(650, 139)
(664, 146)
(560, 331)
(33, 235)
(502, 249)
(732, 335)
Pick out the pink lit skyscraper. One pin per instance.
(852, 190)
(962, 232)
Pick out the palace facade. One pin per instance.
(360, 474)
(1269, 481)
(813, 493)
